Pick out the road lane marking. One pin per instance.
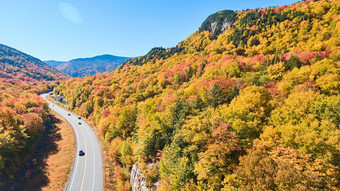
(94, 158)
(88, 130)
(75, 168)
(82, 181)
(60, 112)
(76, 124)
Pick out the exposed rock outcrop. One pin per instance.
(218, 22)
(213, 26)
(225, 26)
(137, 179)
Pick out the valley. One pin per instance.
(245, 106)
(248, 101)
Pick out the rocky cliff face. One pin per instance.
(137, 179)
(214, 27)
(218, 22)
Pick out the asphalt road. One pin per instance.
(87, 171)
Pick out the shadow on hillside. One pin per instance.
(33, 175)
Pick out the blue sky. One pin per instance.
(63, 30)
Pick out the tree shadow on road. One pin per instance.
(33, 175)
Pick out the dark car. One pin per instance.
(81, 153)
(79, 117)
(69, 114)
(79, 123)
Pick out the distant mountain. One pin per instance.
(20, 64)
(20, 71)
(89, 66)
(54, 63)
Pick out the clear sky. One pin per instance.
(67, 29)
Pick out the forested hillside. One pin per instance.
(250, 101)
(20, 72)
(23, 114)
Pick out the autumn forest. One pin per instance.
(250, 101)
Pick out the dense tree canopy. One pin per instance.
(253, 108)
(23, 114)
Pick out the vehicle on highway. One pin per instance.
(81, 153)
(87, 172)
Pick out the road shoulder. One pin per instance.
(59, 163)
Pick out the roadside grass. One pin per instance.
(59, 163)
(108, 168)
(50, 164)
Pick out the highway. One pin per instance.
(87, 171)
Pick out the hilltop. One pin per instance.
(249, 101)
(20, 71)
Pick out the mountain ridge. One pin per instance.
(53, 63)
(254, 107)
(80, 67)
(22, 70)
